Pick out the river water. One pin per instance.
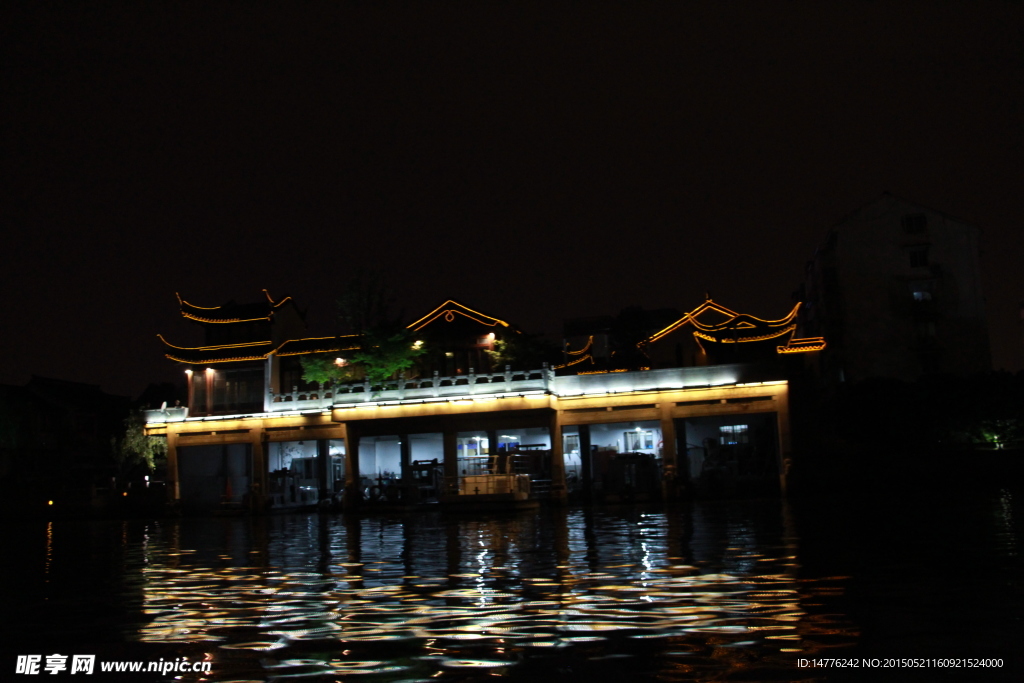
(716, 590)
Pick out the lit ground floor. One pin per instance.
(619, 446)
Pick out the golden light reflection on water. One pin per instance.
(428, 594)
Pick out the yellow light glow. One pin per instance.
(222, 320)
(340, 362)
(586, 347)
(188, 371)
(726, 340)
(731, 323)
(325, 348)
(209, 371)
(182, 303)
(574, 362)
(448, 309)
(216, 360)
(49, 502)
(802, 345)
(213, 348)
(125, 493)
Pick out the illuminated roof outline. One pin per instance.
(766, 329)
(805, 345)
(753, 329)
(586, 347)
(261, 350)
(577, 361)
(448, 309)
(582, 354)
(232, 312)
(299, 347)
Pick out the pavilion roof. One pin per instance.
(260, 350)
(713, 322)
(449, 310)
(233, 312)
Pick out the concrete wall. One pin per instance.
(872, 323)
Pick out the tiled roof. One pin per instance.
(258, 350)
(735, 327)
(295, 347)
(447, 312)
(218, 354)
(232, 312)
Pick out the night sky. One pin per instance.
(533, 162)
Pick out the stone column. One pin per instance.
(451, 459)
(353, 494)
(785, 457)
(492, 450)
(173, 488)
(672, 481)
(258, 487)
(322, 463)
(558, 492)
(586, 464)
(268, 384)
(405, 457)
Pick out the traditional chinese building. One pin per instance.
(462, 423)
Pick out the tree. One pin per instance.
(387, 351)
(387, 346)
(134, 447)
(324, 368)
(523, 352)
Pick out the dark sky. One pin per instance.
(536, 162)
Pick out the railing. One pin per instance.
(173, 414)
(471, 384)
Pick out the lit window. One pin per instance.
(639, 440)
(734, 434)
(922, 296)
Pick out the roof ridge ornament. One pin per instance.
(448, 309)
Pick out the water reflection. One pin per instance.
(682, 595)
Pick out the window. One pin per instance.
(922, 290)
(919, 257)
(637, 440)
(734, 434)
(915, 223)
(571, 443)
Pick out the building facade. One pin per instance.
(460, 424)
(896, 289)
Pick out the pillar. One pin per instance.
(258, 487)
(558, 493)
(492, 450)
(785, 457)
(353, 495)
(451, 460)
(208, 377)
(322, 464)
(587, 463)
(173, 489)
(672, 481)
(405, 457)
